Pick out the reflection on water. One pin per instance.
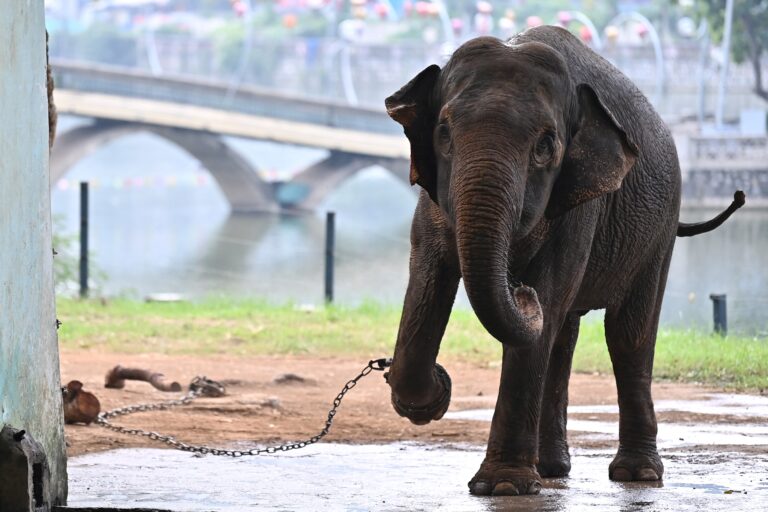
(170, 230)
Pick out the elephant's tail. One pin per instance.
(697, 228)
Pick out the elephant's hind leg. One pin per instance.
(631, 335)
(554, 460)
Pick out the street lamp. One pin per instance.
(245, 55)
(644, 22)
(565, 17)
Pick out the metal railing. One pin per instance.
(731, 152)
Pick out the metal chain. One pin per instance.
(202, 386)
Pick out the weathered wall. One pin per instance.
(30, 396)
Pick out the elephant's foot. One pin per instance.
(499, 479)
(420, 411)
(554, 460)
(632, 467)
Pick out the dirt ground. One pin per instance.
(259, 410)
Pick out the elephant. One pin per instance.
(551, 186)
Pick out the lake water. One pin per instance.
(160, 224)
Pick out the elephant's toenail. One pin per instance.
(647, 474)
(480, 488)
(534, 487)
(621, 475)
(505, 489)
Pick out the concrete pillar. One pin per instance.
(30, 387)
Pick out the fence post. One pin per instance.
(83, 239)
(719, 313)
(330, 242)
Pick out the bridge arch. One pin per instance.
(322, 178)
(237, 179)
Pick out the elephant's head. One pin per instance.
(500, 138)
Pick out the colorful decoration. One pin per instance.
(457, 24)
(534, 21)
(381, 10)
(612, 33)
(585, 34)
(290, 21)
(564, 18)
(483, 18)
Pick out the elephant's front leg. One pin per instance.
(420, 387)
(510, 462)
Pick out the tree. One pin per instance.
(749, 35)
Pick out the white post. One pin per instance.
(724, 68)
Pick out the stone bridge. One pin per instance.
(195, 114)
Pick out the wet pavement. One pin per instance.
(673, 435)
(708, 467)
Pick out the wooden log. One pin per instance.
(117, 376)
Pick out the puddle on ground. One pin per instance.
(671, 435)
(401, 476)
(406, 476)
(746, 406)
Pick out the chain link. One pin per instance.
(201, 387)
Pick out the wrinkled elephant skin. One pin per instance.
(552, 187)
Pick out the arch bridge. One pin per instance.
(195, 115)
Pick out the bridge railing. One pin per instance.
(310, 66)
(203, 92)
(733, 152)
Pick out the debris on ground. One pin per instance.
(291, 378)
(79, 406)
(116, 377)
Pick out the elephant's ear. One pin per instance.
(410, 106)
(597, 159)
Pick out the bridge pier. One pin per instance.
(238, 180)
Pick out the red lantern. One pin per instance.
(290, 21)
(585, 34)
(382, 10)
(534, 21)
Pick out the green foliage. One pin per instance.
(65, 263)
(750, 21)
(242, 327)
(686, 355)
(749, 34)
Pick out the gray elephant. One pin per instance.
(552, 187)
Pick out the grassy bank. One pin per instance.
(250, 328)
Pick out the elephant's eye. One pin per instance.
(444, 138)
(545, 149)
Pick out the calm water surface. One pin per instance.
(160, 224)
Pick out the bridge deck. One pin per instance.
(164, 113)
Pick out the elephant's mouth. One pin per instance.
(434, 410)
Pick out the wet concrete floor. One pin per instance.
(709, 467)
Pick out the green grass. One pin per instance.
(243, 327)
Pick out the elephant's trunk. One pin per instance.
(487, 213)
